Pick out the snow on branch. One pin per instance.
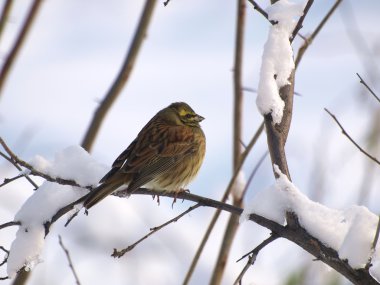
(341, 239)
(277, 60)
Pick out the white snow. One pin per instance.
(277, 59)
(72, 163)
(350, 232)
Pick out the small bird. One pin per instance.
(166, 155)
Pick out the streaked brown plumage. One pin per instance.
(166, 155)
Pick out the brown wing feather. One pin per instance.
(163, 150)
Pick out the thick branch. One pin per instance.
(122, 77)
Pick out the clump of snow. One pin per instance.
(277, 60)
(350, 232)
(72, 163)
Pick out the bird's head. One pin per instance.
(182, 113)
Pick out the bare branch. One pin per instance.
(18, 43)
(224, 198)
(261, 11)
(311, 38)
(120, 253)
(67, 253)
(6, 255)
(254, 171)
(349, 137)
(369, 89)
(299, 26)
(5, 15)
(9, 180)
(16, 165)
(10, 224)
(122, 77)
(252, 255)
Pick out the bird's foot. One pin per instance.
(177, 192)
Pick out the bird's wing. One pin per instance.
(163, 149)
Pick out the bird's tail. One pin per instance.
(100, 192)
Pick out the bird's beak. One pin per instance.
(199, 118)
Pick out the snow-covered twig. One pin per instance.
(36, 172)
(252, 255)
(120, 253)
(368, 88)
(349, 137)
(67, 253)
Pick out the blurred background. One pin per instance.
(66, 66)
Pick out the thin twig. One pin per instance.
(34, 171)
(369, 89)
(299, 26)
(122, 77)
(9, 180)
(166, 2)
(261, 11)
(6, 255)
(309, 40)
(120, 253)
(252, 255)
(348, 136)
(373, 246)
(218, 211)
(10, 59)
(10, 224)
(67, 253)
(30, 180)
(5, 15)
(253, 173)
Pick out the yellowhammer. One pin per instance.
(166, 155)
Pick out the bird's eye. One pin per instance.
(188, 116)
